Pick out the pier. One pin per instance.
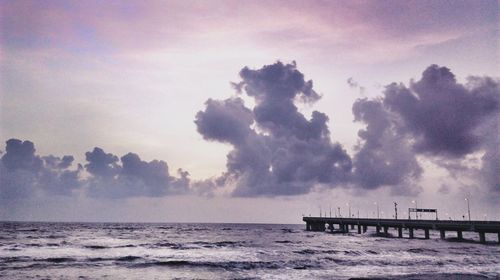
(360, 225)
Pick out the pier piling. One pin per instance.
(482, 237)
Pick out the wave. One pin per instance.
(128, 258)
(231, 244)
(313, 252)
(126, 246)
(14, 259)
(422, 250)
(441, 276)
(53, 236)
(28, 230)
(243, 265)
(287, 242)
(58, 260)
(96, 247)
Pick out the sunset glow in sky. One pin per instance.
(159, 79)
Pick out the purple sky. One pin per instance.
(149, 84)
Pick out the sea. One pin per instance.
(36, 250)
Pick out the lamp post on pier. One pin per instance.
(468, 208)
(416, 209)
(395, 210)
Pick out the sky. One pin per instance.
(247, 111)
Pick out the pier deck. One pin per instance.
(343, 224)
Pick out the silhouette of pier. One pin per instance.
(443, 226)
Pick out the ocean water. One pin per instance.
(232, 251)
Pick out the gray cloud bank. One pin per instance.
(25, 174)
(284, 153)
(277, 150)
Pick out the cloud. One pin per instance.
(283, 153)
(134, 177)
(225, 121)
(436, 118)
(21, 155)
(23, 173)
(101, 164)
(355, 85)
(383, 158)
(278, 151)
(441, 114)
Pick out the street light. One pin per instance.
(348, 205)
(416, 208)
(378, 212)
(395, 210)
(468, 207)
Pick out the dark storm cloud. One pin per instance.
(21, 155)
(101, 164)
(25, 174)
(134, 177)
(56, 162)
(285, 153)
(278, 151)
(441, 114)
(435, 117)
(226, 121)
(383, 157)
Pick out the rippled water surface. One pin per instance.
(229, 251)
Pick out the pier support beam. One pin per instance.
(386, 229)
(443, 234)
(400, 232)
(365, 228)
(426, 233)
(482, 237)
(459, 234)
(359, 229)
(308, 226)
(499, 237)
(352, 226)
(378, 230)
(411, 232)
(346, 228)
